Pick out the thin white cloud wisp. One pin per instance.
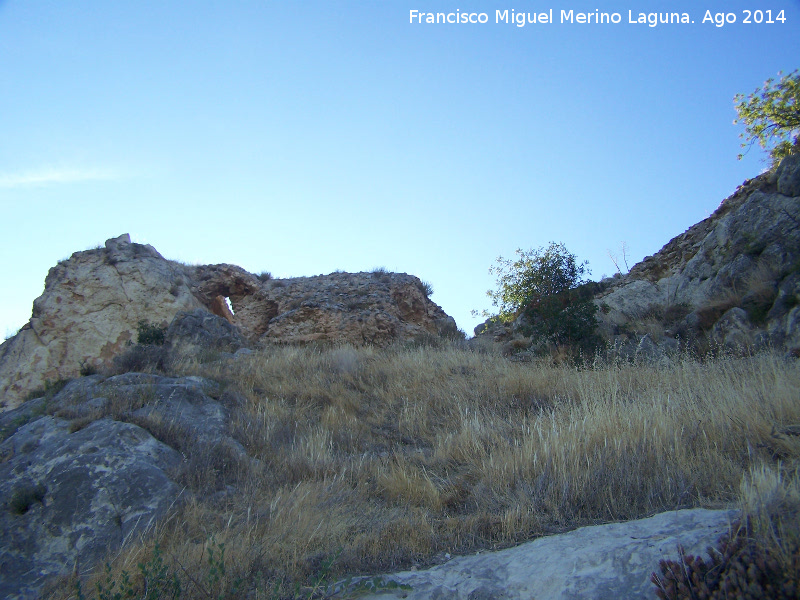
(56, 175)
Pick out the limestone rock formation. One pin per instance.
(603, 562)
(90, 309)
(362, 308)
(191, 332)
(94, 301)
(731, 280)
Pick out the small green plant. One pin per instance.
(150, 334)
(50, 389)
(87, 369)
(156, 581)
(427, 289)
(23, 498)
(216, 576)
(265, 276)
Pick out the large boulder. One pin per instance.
(70, 497)
(89, 312)
(99, 463)
(603, 562)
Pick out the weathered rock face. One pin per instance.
(191, 332)
(89, 311)
(93, 303)
(732, 280)
(361, 308)
(604, 562)
(70, 495)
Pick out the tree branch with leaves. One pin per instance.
(771, 116)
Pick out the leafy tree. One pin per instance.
(771, 116)
(532, 276)
(566, 318)
(547, 286)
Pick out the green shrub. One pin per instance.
(87, 369)
(141, 359)
(674, 313)
(155, 581)
(533, 276)
(547, 286)
(150, 334)
(23, 498)
(565, 319)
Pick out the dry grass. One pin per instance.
(385, 458)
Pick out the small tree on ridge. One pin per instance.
(771, 116)
(534, 275)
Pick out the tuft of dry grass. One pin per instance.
(385, 458)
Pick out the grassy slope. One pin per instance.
(386, 458)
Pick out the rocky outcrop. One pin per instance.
(98, 464)
(603, 562)
(94, 301)
(72, 497)
(732, 281)
(362, 308)
(88, 313)
(193, 332)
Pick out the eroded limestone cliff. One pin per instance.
(94, 301)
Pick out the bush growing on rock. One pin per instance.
(150, 334)
(533, 276)
(547, 286)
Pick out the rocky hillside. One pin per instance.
(732, 280)
(94, 301)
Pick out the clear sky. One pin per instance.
(301, 137)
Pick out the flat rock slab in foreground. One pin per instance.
(602, 562)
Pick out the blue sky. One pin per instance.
(305, 137)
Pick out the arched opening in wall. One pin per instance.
(221, 306)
